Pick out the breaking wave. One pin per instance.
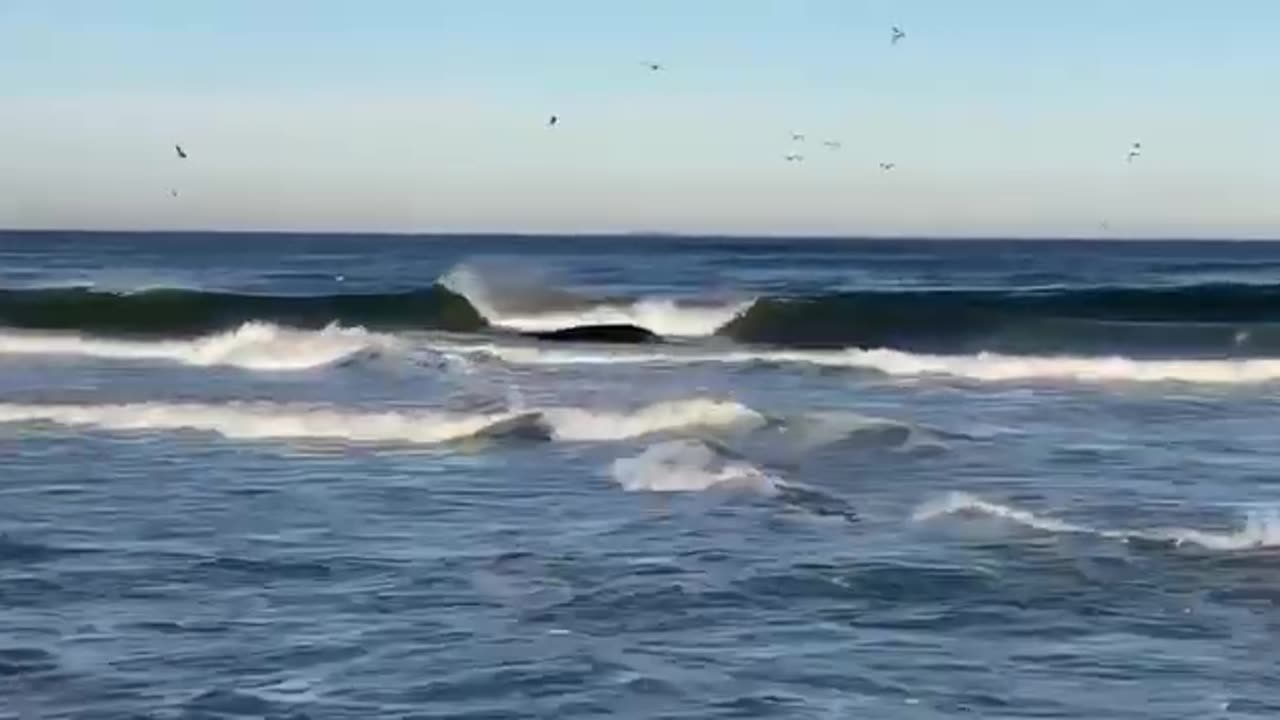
(1261, 528)
(535, 309)
(690, 466)
(1192, 322)
(243, 421)
(986, 367)
(252, 346)
(587, 425)
(187, 312)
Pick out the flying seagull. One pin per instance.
(797, 136)
(887, 166)
(793, 157)
(1135, 150)
(552, 122)
(831, 144)
(174, 193)
(653, 66)
(181, 153)
(897, 35)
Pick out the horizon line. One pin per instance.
(657, 234)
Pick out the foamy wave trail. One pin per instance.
(690, 466)
(264, 421)
(252, 346)
(540, 310)
(995, 368)
(1261, 528)
(243, 421)
(986, 367)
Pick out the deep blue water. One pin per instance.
(387, 519)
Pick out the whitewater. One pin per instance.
(254, 421)
(268, 347)
(853, 478)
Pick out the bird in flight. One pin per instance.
(887, 166)
(653, 66)
(832, 144)
(181, 153)
(793, 157)
(174, 193)
(553, 120)
(897, 35)
(797, 136)
(1135, 150)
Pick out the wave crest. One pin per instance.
(985, 367)
(533, 309)
(252, 346)
(1261, 528)
(268, 421)
(690, 466)
(188, 312)
(1191, 320)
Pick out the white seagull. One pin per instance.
(897, 35)
(1135, 150)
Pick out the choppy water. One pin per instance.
(325, 477)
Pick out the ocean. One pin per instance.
(304, 476)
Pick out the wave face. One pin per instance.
(248, 421)
(1260, 530)
(1188, 323)
(527, 307)
(194, 312)
(1169, 321)
(252, 346)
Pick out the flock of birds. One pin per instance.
(896, 35)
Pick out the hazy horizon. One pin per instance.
(1004, 119)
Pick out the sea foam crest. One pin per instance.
(246, 421)
(265, 420)
(588, 425)
(252, 346)
(690, 466)
(531, 313)
(985, 367)
(1261, 528)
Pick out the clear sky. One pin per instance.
(1004, 117)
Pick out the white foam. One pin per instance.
(689, 466)
(252, 346)
(592, 425)
(245, 421)
(987, 367)
(663, 316)
(262, 420)
(959, 503)
(1261, 528)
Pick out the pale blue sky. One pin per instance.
(1005, 117)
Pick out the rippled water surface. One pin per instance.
(244, 476)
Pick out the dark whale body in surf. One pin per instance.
(619, 333)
